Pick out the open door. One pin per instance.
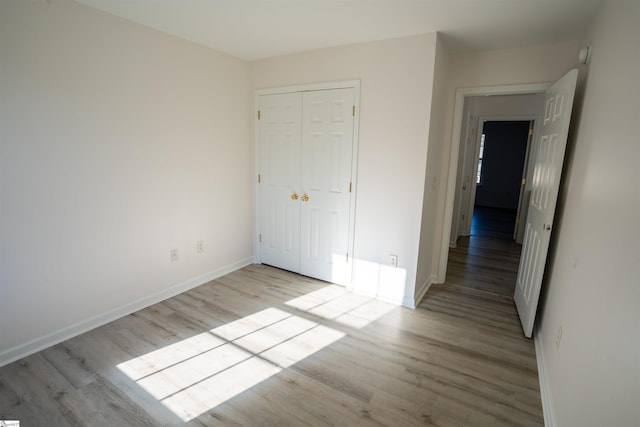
(523, 199)
(544, 194)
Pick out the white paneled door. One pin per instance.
(306, 182)
(544, 193)
(279, 141)
(327, 146)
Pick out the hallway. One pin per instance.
(488, 259)
(481, 274)
(478, 296)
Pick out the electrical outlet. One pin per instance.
(393, 260)
(174, 254)
(200, 246)
(558, 337)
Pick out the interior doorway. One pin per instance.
(461, 138)
(499, 177)
(546, 170)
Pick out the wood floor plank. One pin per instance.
(40, 394)
(263, 346)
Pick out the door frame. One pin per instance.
(475, 149)
(458, 224)
(461, 94)
(355, 84)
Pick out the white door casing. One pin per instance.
(452, 183)
(306, 142)
(544, 193)
(473, 184)
(469, 172)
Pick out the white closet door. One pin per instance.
(326, 160)
(279, 140)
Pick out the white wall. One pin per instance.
(518, 66)
(430, 233)
(509, 105)
(118, 143)
(532, 64)
(396, 90)
(593, 279)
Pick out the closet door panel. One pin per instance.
(279, 141)
(326, 159)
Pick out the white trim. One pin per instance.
(257, 257)
(56, 337)
(545, 387)
(473, 183)
(520, 118)
(450, 195)
(354, 176)
(413, 302)
(471, 126)
(355, 84)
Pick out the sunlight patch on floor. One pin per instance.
(337, 304)
(195, 375)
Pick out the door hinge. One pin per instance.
(347, 256)
(524, 181)
(258, 114)
(530, 131)
(517, 221)
(259, 179)
(349, 187)
(260, 237)
(353, 111)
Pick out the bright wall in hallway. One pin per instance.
(592, 286)
(516, 66)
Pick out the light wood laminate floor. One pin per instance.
(265, 347)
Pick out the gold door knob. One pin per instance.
(294, 196)
(305, 198)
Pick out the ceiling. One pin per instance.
(256, 29)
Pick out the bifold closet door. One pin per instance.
(306, 152)
(280, 142)
(326, 158)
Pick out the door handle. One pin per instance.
(305, 198)
(294, 196)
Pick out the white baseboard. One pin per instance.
(413, 302)
(53, 338)
(545, 388)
